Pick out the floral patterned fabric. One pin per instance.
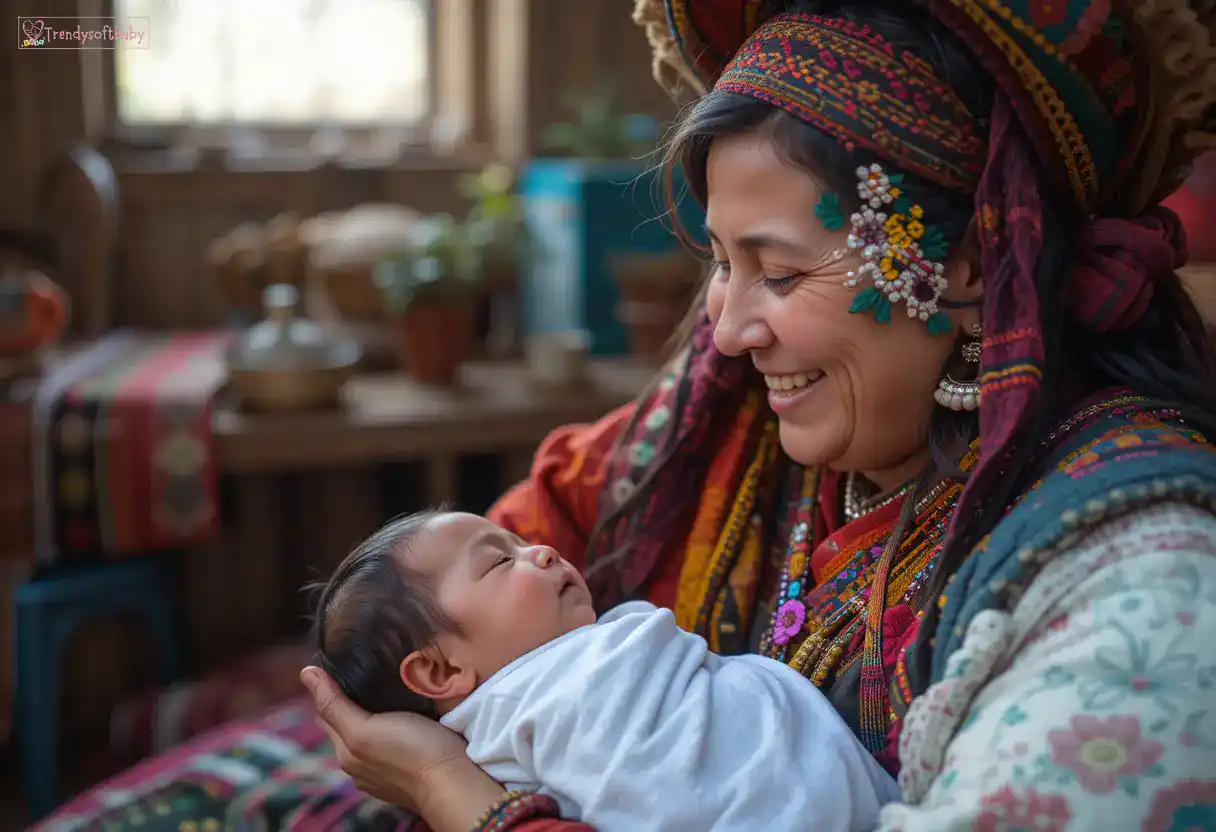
(1090, 705)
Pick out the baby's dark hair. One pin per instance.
(373, 612)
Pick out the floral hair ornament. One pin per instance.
(901, 256)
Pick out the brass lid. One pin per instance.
(285, 342)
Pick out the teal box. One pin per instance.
(581, 215)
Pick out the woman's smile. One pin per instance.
(788, 390)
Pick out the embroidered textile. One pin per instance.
(854, 85)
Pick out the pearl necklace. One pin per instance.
(855, 507)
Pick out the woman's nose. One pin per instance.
(736, 335)
(737, 329)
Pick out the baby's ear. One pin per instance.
(428, 673)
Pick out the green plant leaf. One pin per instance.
(938, 324)
(445, 262)
(865, 299)
(598, 130)
(882, 310)
(828, 211)
(902, 206)
(561, 136)
(895, 178)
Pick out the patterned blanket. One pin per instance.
(277, 772)
(123, 461)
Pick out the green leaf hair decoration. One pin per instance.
(828, 211)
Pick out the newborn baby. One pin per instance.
(629, 722)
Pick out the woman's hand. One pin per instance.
(404, 759)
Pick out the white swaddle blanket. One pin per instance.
(633, 724)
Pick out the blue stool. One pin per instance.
(49, 610)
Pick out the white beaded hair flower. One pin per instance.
(901, 256)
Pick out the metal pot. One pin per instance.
(288, 363)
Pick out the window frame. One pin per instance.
(456, 125)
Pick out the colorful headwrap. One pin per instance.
(853, 85)
(1116, 97)
(1115, 104)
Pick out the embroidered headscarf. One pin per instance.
(1112, 103)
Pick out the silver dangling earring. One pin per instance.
(962, 395)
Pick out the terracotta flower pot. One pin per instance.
(654, 294)
(435, 340)
(651, 325)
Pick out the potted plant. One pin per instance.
(497, 217)
(599, 132)
(431, 288)
(654, 293)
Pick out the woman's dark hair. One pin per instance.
(1165, 356)
(373, 612)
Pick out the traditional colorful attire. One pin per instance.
(1064, 680)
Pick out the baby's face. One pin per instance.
(506, 596)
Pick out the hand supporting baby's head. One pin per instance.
(433, 604)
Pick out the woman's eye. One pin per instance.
(780, 284)
(720, 267)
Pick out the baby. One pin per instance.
(629, 722)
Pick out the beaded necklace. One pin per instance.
(789, 612)
(873, 575)
(855, 507)
(832, 629)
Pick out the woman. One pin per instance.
(985, 528)
(1001, 575)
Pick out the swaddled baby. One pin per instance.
(629, 722)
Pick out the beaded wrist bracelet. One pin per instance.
(516, 807)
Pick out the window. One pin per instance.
(277, 65)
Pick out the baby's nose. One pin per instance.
(544, 557)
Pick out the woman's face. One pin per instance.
(849, 392)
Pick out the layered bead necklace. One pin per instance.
(789, 621)
(849, 607)
(855, 507)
